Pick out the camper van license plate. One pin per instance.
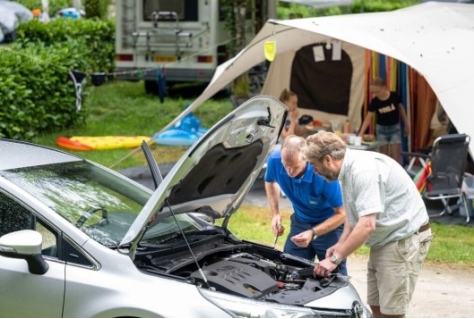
(163, 58)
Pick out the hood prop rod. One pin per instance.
(157, 179)
(189, 247)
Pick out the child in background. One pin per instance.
(290, 99)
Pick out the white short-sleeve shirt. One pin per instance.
(374, 183)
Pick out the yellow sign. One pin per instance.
(270, 50)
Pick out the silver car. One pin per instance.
(81, 240)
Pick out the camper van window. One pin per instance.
(187, 10)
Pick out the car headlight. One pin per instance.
(244, 307)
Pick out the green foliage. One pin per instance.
(54, 5)
(288, 11)
(97, 36)
(235, 24)
(96, 8)
(36, 90)
(360, 6)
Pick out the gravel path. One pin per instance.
(441, 292)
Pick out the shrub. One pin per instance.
(98, 36)
(36, 90)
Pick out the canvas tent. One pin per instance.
(434, 39)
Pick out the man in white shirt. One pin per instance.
(384, 211)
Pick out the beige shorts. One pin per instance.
(393, 270)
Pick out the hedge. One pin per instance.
(37, 93)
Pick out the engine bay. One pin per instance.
(241, 268)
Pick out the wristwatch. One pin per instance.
(335, 260)
(314, 234)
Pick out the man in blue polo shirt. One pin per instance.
(319, 215)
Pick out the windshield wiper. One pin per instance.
(117, 246)
(171, 237)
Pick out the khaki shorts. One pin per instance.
(393, 270)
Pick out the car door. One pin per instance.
(23, 294)
(26, 295)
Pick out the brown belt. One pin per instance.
(423, 228)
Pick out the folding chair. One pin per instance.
(447, 163)
(416, 161)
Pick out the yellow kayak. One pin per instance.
(90, 143)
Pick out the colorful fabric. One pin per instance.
(421, 179)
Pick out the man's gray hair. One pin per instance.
(292, 145)
(324, 143)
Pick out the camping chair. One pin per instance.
(416, 161)
(443, 175)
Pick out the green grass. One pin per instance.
(451, 243)
(123, 108)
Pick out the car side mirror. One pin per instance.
(25, 244)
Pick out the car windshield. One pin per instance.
(101, 204)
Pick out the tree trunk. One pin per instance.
(45, 13)
(92, 8)
(77, 4)
(241, 84)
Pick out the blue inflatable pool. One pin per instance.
(184, 133)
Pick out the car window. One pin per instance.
(49, 246)
(98, 202)
(13, 216)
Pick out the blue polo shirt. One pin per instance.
(313, 198)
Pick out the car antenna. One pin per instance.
(157, 179)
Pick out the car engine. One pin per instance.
(238, 267)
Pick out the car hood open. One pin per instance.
(216, 173)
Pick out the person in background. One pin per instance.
(290, 99)
(388, 109)
(384, 211)
(318, 216)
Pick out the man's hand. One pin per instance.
(324, 268)
(277, 227)
(331, 250)
(303, 239)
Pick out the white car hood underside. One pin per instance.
(216, 173)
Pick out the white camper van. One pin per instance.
(183, 39)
